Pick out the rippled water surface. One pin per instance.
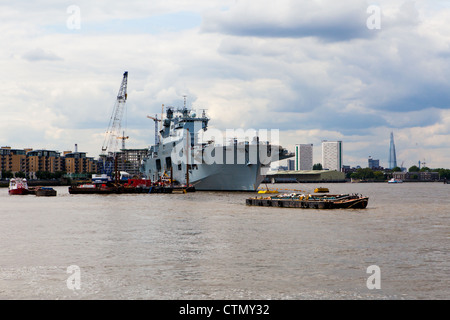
(210, 245)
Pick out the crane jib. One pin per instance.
(113, 133)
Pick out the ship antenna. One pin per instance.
(162, 115)
(184, 101)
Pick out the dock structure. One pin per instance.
(304, 176)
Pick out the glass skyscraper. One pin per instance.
(392, 156)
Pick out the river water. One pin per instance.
(210, 245)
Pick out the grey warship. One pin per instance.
(181, 152)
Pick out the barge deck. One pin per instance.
(343, 201)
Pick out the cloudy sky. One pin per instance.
(350, 70)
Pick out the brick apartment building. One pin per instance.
(31, 161)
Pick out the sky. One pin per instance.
(349, 70)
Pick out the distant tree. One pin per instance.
(19, 174)
(57, 175)
(378, 175)
(355, 175)
(317, 166)
(443, 173)
(39, 174)
(425, 169)
(43, 175)
(7, 174)
(413, 169)
(397, 169)
(363, 174)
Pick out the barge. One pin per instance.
(132, 186)
(341, 201)
(45, 192)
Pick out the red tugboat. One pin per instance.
(18, 186)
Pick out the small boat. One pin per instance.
(394, 180)
(18, 186)
(267, 191)
(45, 192)
(321, 190)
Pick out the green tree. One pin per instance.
(317, 166)
(443, 173)
(363, 174)
(43, 175)
(19, 174)
(7, 174)
(355, 175)
(366, 173)
(379, 176)
(397, 169)
(413, 169)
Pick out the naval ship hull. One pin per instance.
(238, 177)
(241, 174)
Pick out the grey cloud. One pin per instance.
(39, 54)
(422, 118)
(327, 21)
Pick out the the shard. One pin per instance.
(392, 156)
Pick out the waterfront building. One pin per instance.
(291, 164)
(392, 155)
(306, 176)
(332, 155)
(79, 163)
(416, 176)
(129, 160)
(303, 157)
(11, 160)
(373, 164)
(31, 161)
(42, 160)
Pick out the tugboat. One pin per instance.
(18, 186)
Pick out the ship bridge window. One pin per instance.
(179, 167)
(158, 164)
(168, 162)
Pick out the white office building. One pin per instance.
(303, 157)
(332, 155)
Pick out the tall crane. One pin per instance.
(155, 118)
(123, 138)
(109, 147)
